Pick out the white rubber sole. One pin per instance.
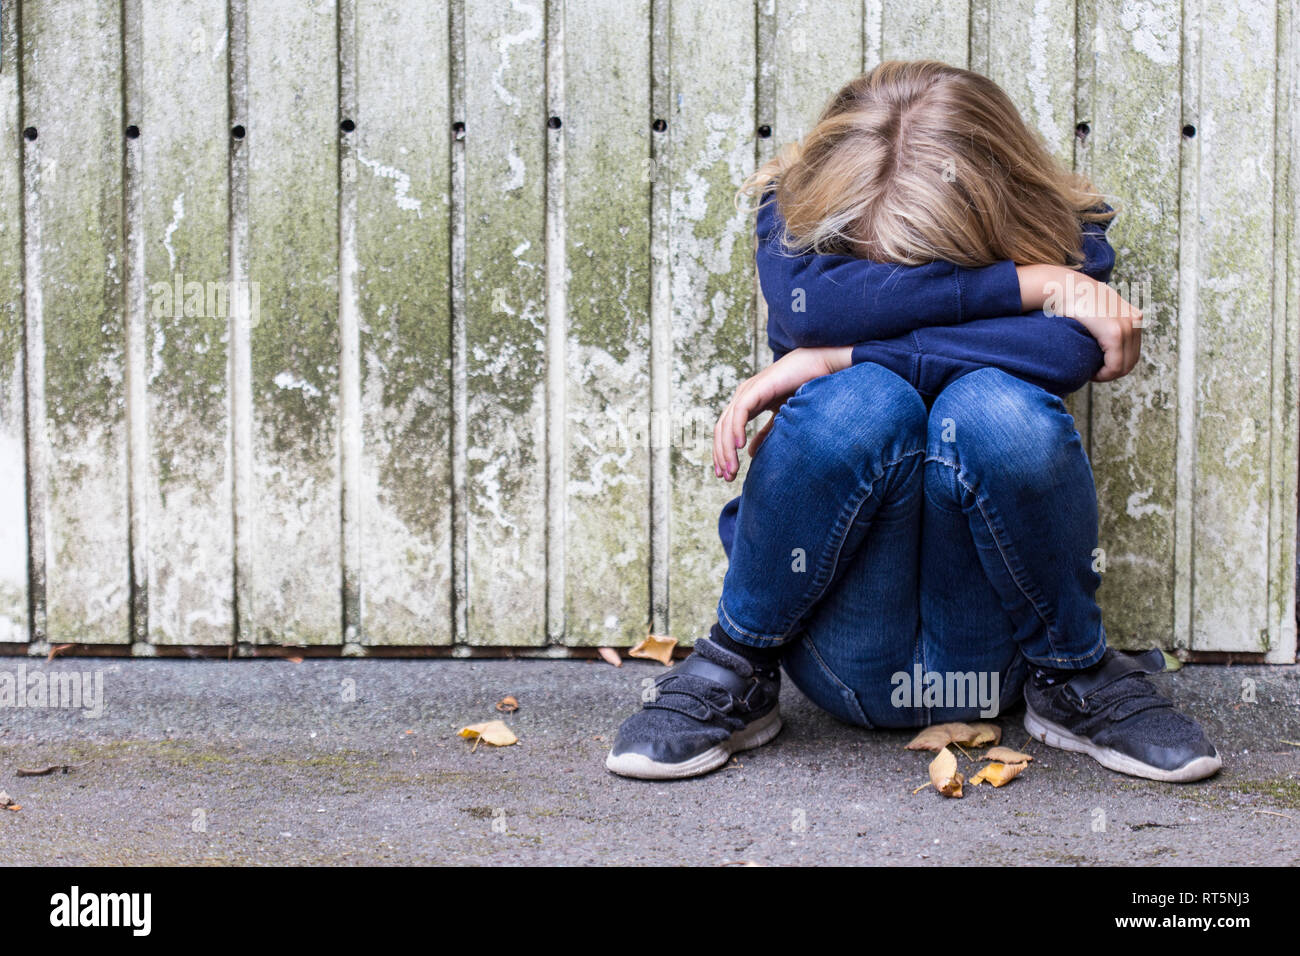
(639, 765)
(1060, 738)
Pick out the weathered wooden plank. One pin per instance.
(1132, 154)
(184, 134)
(712, 135)
(911, 31)
(607, 210)
(293, 130)
(505, 263)
(402, 176)
(815, 48)
(1029, 52)
(72, 100)
(13, 474)
(1285, 430)
(1234, 333)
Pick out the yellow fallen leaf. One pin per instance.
(1007, 755)
(655, 648)
(944, 775)
(980, 735)
(938, 736)
(610, 655)
(494, 732)
(508, 704)
(998, 773)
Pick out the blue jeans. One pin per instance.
(882, 544)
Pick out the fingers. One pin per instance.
(729, 435)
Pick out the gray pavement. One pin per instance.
(271, 762)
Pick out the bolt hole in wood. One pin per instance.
(553, 123)
(1189, 131)
(237, 132)
(1081, 131)
(658, 126)
(765, 131)
(133, 132)
(30, 133)
(458, 130)
(347, 126)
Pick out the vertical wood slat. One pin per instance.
(1285, 412)
(184, 137)
(1132, 154)
(505, 272)
(72, 62)
(608, 179)
(402, 175)
(935, 31)
(711, 133)
(1234, 338)
(13, 457)
(293, 131)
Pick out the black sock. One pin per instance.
(762, 658)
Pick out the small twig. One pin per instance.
(968, 757)
(46, 771)
(1273, 813)
(921, 787)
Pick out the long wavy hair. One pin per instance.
(918, 161)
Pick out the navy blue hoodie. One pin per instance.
(929, 324)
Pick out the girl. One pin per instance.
(915, 542)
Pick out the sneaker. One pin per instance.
(711, 705)
(1112, 713)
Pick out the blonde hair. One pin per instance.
(917, 161)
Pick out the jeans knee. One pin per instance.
(864, 413)
(991, 426)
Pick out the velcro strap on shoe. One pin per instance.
(1114, 666)
(697, 665)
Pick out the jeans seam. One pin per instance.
(845, 690)
(819, 588)
(1034, 602)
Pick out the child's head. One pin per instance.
(920, 161)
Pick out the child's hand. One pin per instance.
(768, 391)
(1115, 323)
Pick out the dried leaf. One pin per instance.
(15, 807)
(655, 648)
(57, 650)
(494, 732)
(5, 799)
(1171, 663)
(998, 774)
(981, 735)
(938, 736)
(610, 655)
(507, 704)
(1007, 755)
(944, 775)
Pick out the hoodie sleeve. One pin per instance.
(828, 300)
(1053, 352)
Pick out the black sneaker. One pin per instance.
(711, 705)
(1113, 713)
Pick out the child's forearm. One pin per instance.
(832, 300)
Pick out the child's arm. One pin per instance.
(831, 300)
